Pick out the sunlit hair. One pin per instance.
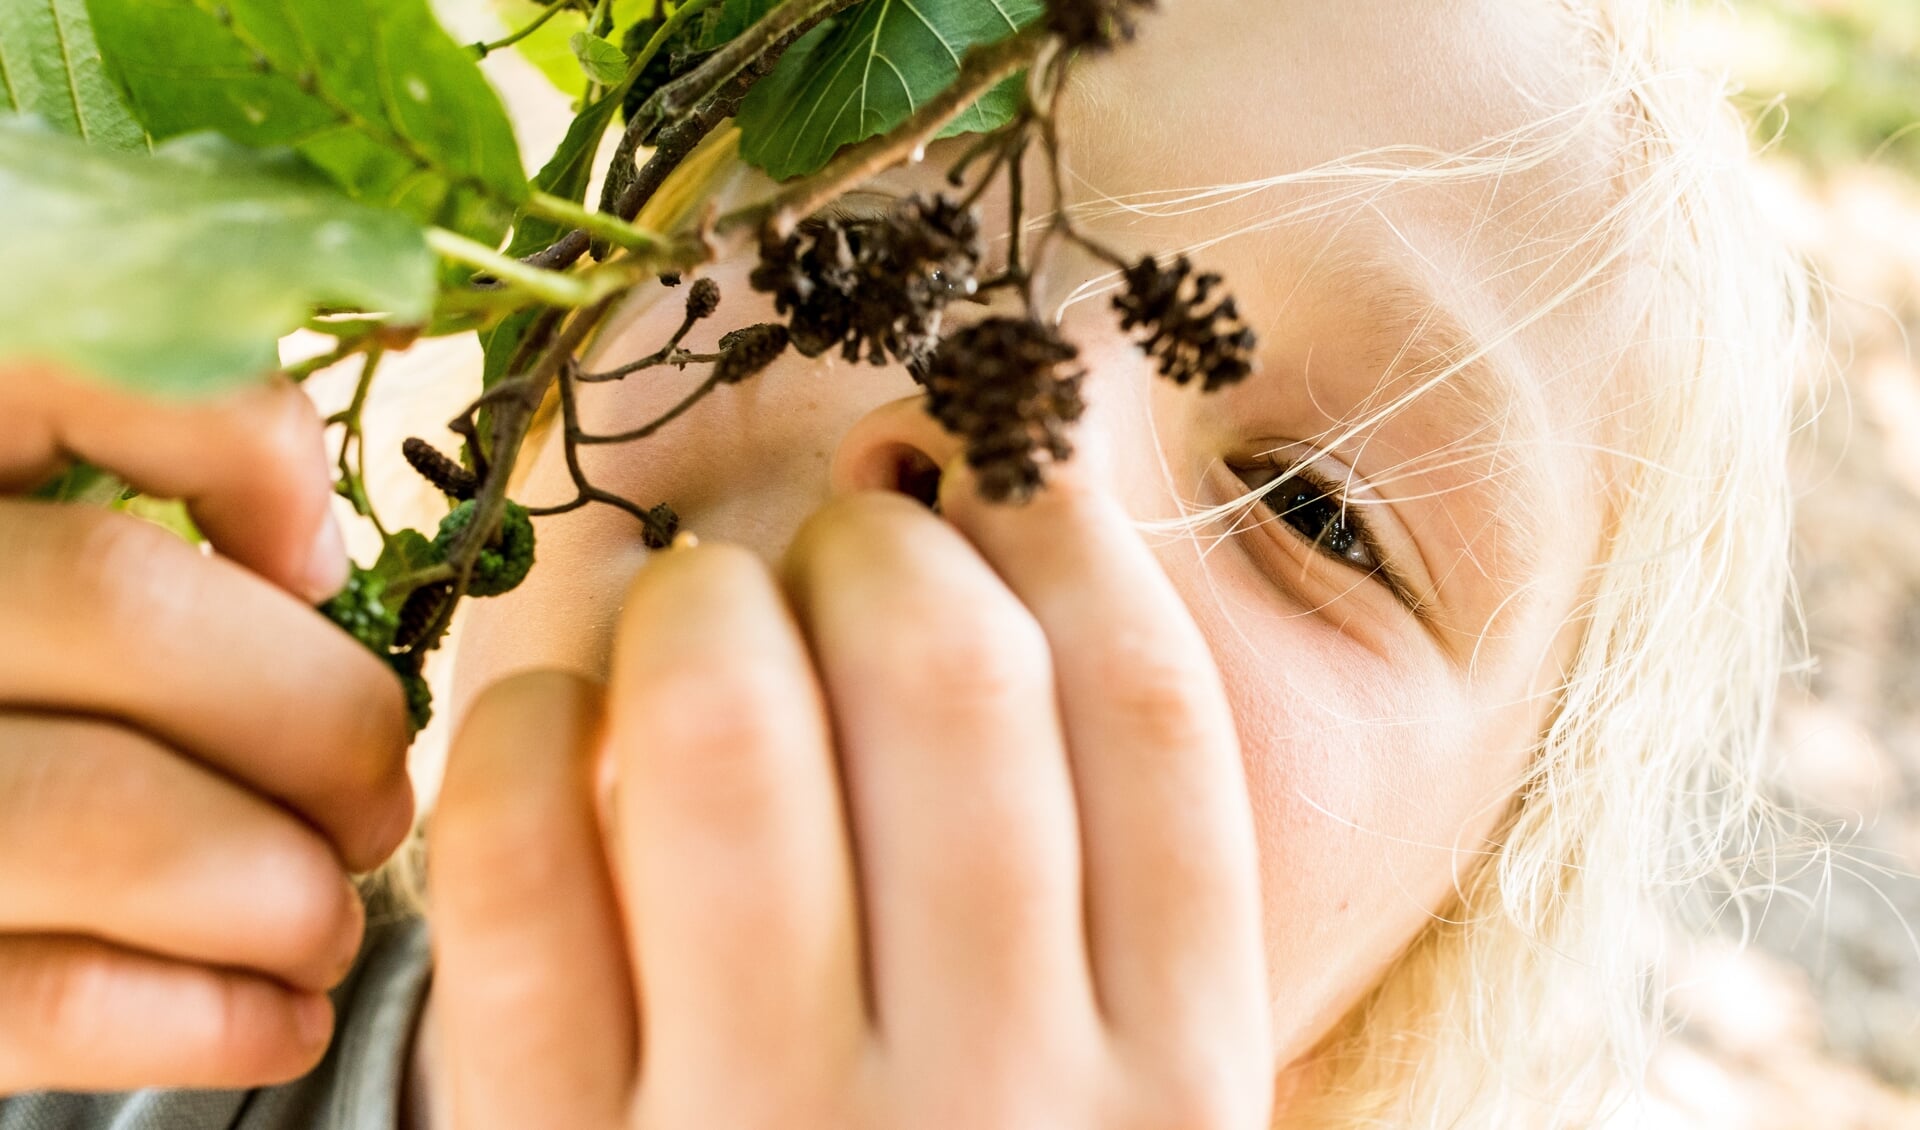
(1532, 999)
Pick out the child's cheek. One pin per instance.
(1374, 790)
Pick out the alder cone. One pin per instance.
(873, 288)
(438, 468)
(1000, 386)
(702, 299)
(747, 350)
(1189, 339)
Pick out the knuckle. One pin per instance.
(966, 655)
(1198, 1098)
(492, 862)
(716, 713)
(1151, 694)
(275, 425)
(715, 741)
(63, 994)
(80, 779)
(119, 573)
(247, 1031)
(306, 907)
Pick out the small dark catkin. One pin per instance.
(747, 350)
(438, 468)
(703, 298)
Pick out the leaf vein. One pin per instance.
(66, 67)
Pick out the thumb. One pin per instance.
(251, 465)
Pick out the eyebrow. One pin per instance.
(1411, 333)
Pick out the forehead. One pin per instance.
(1424, 168)
(1232, 90)
(1229, 132)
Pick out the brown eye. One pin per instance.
(1317, 511)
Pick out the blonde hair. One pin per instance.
(1527, 1000)
(1533, 999)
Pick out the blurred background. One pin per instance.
(1817, 1025)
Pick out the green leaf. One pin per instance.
(50, 66)
(169, 514)
(864, 73)
(373, 92)
(728, 19)
(601, 61)
(404, 554)
(83, 483)
(565, 175)
(991, 110)
(548, 47)
(177, 272)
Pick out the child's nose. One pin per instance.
(896, 447)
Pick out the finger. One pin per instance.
(250, 465)
(733, 856)
(1172, 890)
(109, 615)
(943, 701)
(536, 1011)
(80, 1014)
(105, 832)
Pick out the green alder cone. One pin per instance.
(504, 562)
(372, 92)
(419, 695)
(362, 611)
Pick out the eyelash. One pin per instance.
(1307, 499)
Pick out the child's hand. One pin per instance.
(1013, 885)
(190, 758)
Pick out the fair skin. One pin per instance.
(854, 813)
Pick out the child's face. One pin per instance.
(1382, 743)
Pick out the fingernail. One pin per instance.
(313, 1019)
(327, 562)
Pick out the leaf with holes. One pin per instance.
(50, 67)
(864, 73)
(372, 92)
(176, 272)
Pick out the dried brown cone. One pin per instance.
(1188, 338)
(873, 288)
(1095, 25)
(438, 468)
(1000, 386)
(661, 524)
(703, 298)
(747, 350)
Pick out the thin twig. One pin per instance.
(352, 459)
(345, 348)
(658, 357)
(585, 491)
(643, 431)
(482, 50)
